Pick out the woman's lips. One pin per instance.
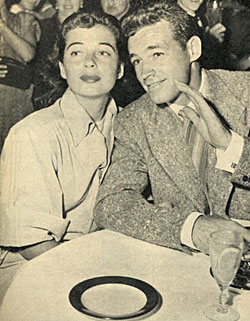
(90, 79)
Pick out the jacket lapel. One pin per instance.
(166, 139)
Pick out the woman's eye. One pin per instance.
(104, 53)
(75, 53)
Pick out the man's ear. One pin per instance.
(120, 71)
(62, 70)
(194, 48)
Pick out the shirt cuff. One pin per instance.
(187, 228)
(245, 223)
(227, 160)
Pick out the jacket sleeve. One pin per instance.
(121, 205)
(241, 175)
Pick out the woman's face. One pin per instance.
(116, 8)
(90, 63)
(67, 7)
(29, 4)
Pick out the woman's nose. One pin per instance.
(89, 61)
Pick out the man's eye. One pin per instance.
(158, 54)
(135, 62)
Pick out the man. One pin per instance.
(116, 8)
(155, 146)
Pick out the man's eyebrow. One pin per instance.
(153, 47)
(148, 48)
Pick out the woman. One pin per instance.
(19, 34)
(56, 157)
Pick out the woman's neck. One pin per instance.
(95, 107)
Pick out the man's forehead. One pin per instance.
(151, 36)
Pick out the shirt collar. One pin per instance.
(79, 121)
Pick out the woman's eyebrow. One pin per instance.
(81, 43)
(107, 44)
(74, 43)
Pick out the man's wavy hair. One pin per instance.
(83, 19)
(153, 11)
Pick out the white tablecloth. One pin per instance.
(41, 287)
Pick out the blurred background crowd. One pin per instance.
(30, 80)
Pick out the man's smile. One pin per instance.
(153, 84)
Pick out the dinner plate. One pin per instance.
(115, 298)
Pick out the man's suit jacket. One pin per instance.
(150, 149)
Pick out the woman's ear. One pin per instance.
(62, 70)
(194, 48)
(120, 71)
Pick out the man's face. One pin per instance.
(158, 60)
(116, 8)
(190, 5)
(29, 4)
(67, 7)
(90, 63)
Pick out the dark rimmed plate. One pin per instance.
(152, 304)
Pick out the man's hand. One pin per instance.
(205, 119)
(218, 32)
(3, 70)
(205, 225)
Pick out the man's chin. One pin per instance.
(158, 100)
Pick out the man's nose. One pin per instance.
(89, 61)
(147, 70)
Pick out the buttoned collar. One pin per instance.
(79, 121)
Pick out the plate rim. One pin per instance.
(153, 297)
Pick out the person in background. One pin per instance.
(116, 8)
(54, 160)
(239, 39)
(41, 9)
(19, 35)
(48, 85)
(193, 152)
(128, 88)
(211, 31)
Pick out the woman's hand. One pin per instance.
(3, 70)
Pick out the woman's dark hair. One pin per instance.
(88, 19)
(155, 11)
(49, 86)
